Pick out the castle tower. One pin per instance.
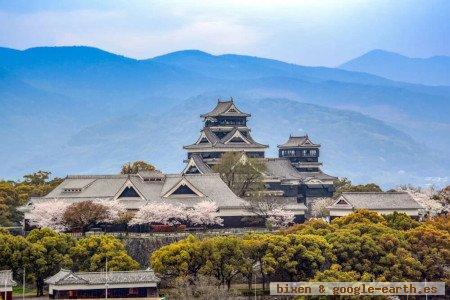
(225, 130)
(301, 152)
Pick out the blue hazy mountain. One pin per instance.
(431, 71)
(82, 109)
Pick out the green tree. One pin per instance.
(224, 258)
(242, 174)
(135, 167)
(336, 274)
(14, 252)
(183, 259)
(431, 247)
(90, 254)
(345, 185)
(37, 178)
(52, 251)
(14, 194)
(298, 257)
(254, 247)
(313, 226)
(400, 221)
(359, 216)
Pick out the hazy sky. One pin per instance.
(305, 32)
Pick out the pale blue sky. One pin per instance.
(308, 32)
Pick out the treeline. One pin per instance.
(43, 252)
(363, 246)
(16, 193)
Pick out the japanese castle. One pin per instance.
(294, 179)
(295, 173)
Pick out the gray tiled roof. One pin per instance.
(201, 165)
(282, 168)
(221, 110)
(156, 174)
(377, 200)
(65, 277)
(298, 141)
(6, 278)
(222, 143)
(107, 186)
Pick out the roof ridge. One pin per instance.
(375, 192)
(100, 272)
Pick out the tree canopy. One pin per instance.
(14, 194)
(136, 166)
(363, 246)
(242, 174)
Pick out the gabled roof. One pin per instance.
(282, 169)
(298, 141)
(6, 278)
(197, 162)
(106, 187)
(225, 109)
(215, 142)
(128, 184)
(67, 277)
(376, 200)
(182, 182)
(233, 134)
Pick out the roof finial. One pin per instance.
(231, 98)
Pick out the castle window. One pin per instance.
(313, 152)
(183, 190)
(237, 140)
(129, 192)
(342, 202)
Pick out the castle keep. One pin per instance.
(294, 174)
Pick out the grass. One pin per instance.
(17, 291)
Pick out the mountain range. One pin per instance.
(431, 71)
(84, 110)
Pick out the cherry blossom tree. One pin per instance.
(114, 209)
(279, 217)
(426, 198)
(160, 213)
(49, 214)
(319, 207)
(204, 213)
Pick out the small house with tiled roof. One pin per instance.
(112, 284)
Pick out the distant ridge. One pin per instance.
(434, 70)
(85, 110)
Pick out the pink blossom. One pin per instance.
(49, 214)
(205, 213)
(279, 217)
(159, 213)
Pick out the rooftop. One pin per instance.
(298, 141)
(225, 108)
(209, 186)
(67, 277)
(282, 168)
(376, 200)
(228, 141)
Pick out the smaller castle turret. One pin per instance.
(301, 152)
